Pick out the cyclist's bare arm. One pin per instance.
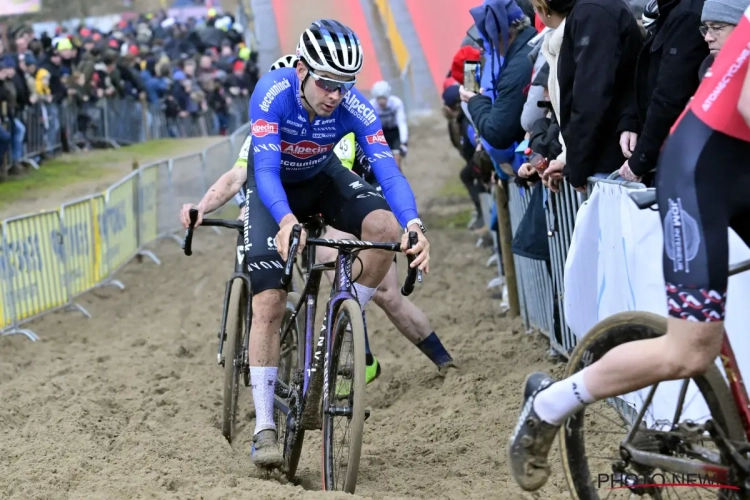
(221, 192)
(743, 106)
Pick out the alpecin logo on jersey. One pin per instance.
(272, 92)
(304, 149)
(262, 128)
(377, 137)
(360, 109)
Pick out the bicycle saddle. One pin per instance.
(644, 198)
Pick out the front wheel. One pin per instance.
(590, 440)
(344, 400)
(236, 329)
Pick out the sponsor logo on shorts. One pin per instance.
(304, 149)
(271, 243)
(261, 265)
(378, 138)
(262, 128)
(681, 236)
(272, 92)
(361, 110)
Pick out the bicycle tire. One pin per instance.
(350, 311)
(236, 329)
(292, 460)
(604, 336)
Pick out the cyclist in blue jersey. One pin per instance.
(298, 115)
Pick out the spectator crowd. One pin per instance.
(154, 73)
(574, 89)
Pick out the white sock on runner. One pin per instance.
(562, 399)
(263, 381)
(364, 294)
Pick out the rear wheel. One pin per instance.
(291, 362)
(236, 329)
(344, 400)
(590, 440)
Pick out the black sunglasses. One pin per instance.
(331, 85)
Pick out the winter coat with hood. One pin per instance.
(666, 77)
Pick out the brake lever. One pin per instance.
(187, 244)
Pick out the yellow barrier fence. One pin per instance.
(400, 52)
(34, 270)
(50, 258)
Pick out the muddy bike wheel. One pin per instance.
(236, 329)
(344, 400)
(291, 361)
(582, 466)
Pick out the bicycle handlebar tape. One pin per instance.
(293, 244)
(187, 245)
(411, 274)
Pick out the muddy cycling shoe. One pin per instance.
(532, 438)
(265, 451)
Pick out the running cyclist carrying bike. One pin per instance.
(298, 115)
(703, 182)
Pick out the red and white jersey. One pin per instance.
(715, 101)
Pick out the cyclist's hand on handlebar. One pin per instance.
(284, 236)
(422, 260)
(185, 215)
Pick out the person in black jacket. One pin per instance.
(595, 68)
(666, 77)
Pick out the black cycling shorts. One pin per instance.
(703, 188)
(342, 197)
(393, 138)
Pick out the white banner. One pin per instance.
(626, 245)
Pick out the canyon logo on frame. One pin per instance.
(14, 7)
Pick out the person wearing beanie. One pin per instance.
(666, 77)
(719, 18)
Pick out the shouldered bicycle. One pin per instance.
(318, 386)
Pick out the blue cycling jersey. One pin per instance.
(289, 148)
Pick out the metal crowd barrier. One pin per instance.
(48, 259)
(50, 127)
(541, 286)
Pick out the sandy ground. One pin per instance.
(127, 404)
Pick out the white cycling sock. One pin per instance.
(562, 399)
(263, 381)
(364, 294)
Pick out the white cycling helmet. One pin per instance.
(287, 61)
(381, 89)
(327, 45)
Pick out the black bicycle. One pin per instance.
(304, 398)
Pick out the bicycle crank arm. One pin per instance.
(675, 465)
(344, 411)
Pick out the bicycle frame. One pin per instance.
(741, 401)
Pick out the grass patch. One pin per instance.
(453, 188)
(70, 169)
(455, 220)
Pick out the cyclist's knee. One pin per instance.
(388, 299)
(691, 347)
(268, 305)
(380, 225)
